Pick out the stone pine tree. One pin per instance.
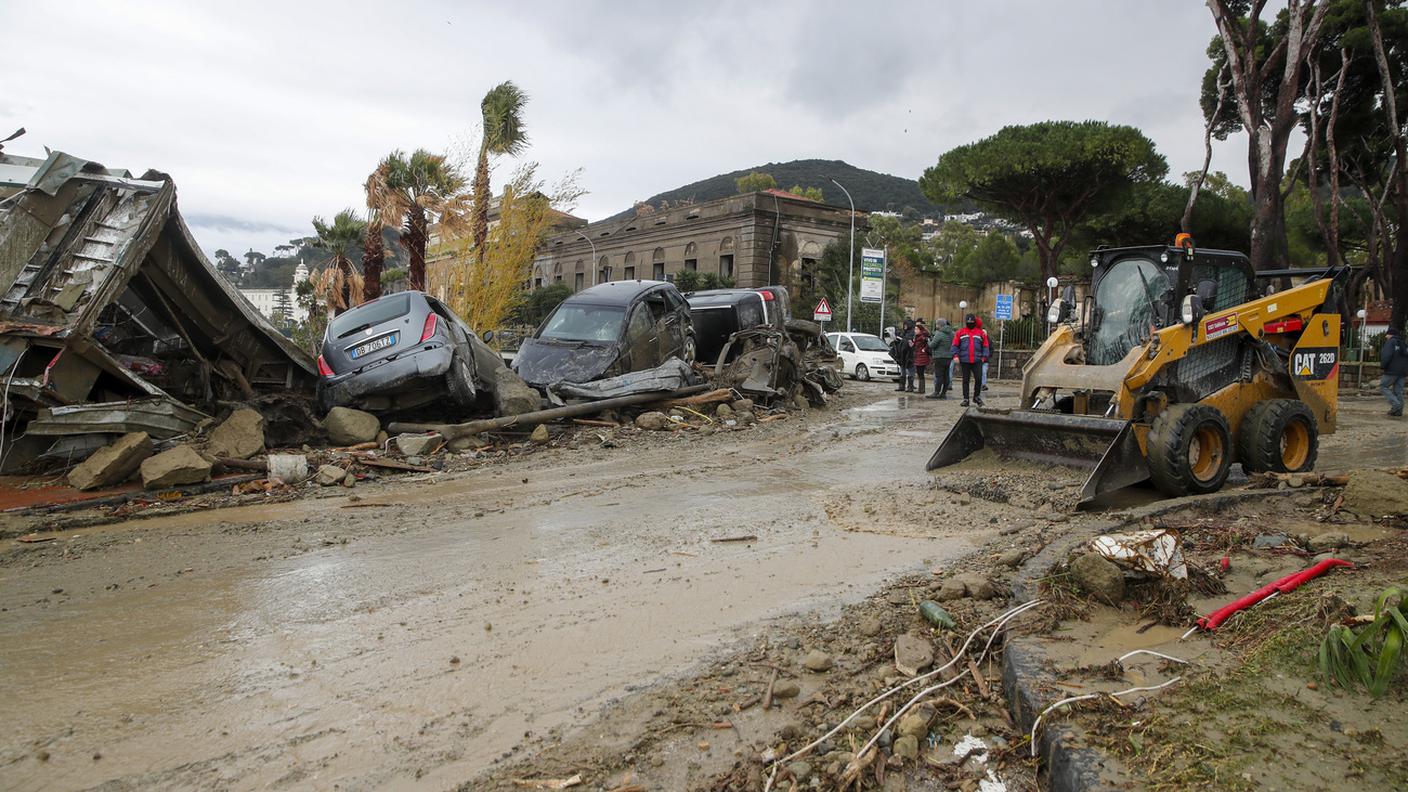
(1048, 176)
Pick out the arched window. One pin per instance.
(726, 258)
(657, 264)
(691, 257)
(628, 267)
(603, 270)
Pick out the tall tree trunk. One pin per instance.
(1186, 224)
(373, 261)
(481, 203)
(415, 248)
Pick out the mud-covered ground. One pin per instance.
(566, 611)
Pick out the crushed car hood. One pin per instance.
(543, 363)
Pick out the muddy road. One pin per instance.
(412, 636)
(416, 633)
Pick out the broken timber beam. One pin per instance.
(452, 431)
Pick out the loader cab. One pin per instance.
(1137, 290)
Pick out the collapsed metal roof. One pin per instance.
(100, 266)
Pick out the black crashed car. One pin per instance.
(608, 330)
(398, 352)
(719, 313)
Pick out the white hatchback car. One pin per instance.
(864, 356)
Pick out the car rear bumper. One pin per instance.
(419, 374)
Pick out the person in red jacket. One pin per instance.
(921, 352)
(971, 349)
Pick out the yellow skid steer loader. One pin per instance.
(1174, 367)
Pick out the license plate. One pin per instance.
(373, 345)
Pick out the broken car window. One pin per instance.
(641, 324)
(584, 323)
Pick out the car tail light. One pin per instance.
(768, 296)
(323, 367)
(429, 330)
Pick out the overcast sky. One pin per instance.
(266, 114)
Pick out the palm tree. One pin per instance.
(411, 189)
(373, 247)
(503, 134)
(339, 283)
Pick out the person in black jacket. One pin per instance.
(902, 350)
(1393, 359)
(939, 351)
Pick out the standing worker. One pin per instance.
(1393, 359)
(939, 345)
(971, 349)
(921, 352)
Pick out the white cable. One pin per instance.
(999, 620)
(1074, 699)
(1128, 655)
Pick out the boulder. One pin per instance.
(817, 661)
(1099, 576)
(746, 418)
(723, 411)
(870, 626)
(288, 468)
(467, 442)
(112, 464)
(1376, 493)
(1013, 558)
(952, 589)
(1330, 540)
(540, 435)
(513, 396)
(978, 586)
(906, 747)
(346, 426)
(915, 723)
(241, 436)
(418, 444)
(175, 467)
(653, 421)
(913, 654)
(742, 405)
(330, 475)
(786, 690)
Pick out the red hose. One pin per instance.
(1286, 584)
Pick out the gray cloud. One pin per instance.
(218, 222)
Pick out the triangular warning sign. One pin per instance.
(822, 306)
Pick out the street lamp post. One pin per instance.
(851, 269)
(593, 246)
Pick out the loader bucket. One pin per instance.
(1106, 446)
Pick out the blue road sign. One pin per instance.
(1004, 307)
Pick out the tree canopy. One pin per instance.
(754, 182)
(1048, 176)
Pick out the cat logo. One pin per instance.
(1305, 369)
(1315, 363)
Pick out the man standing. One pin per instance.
(971, 349)
(939, 346)
(1393, 359)
(902, 350)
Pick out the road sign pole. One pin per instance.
(1001, 338)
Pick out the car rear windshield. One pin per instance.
(584, 323)
(869, 343)
(370, 315)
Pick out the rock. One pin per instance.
(869, 626)
(653, 421)
(174, 467)
(1099, 576)
(786, 690)
(723, 411)
(346, 426)
(513, 396)
(915, 723)
(1329, 540)
(952, 589)
(801, 771)
(1376, 493)
(818, 661)
(1013, 558)
(113, 463)
(912, 655)
(800, 402)
(288, 468)
(241, 436)
(415, 460)
(906, 747)
(743, 405)
(349, 481)
(467, 442)
(1267, 541)
(540, 435)
(418, 444)
(381, 438)
(329, 475)
(746, 418)
(978, 586)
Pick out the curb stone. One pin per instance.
(1026, 682)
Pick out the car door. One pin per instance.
(666, 322)
(642, 341)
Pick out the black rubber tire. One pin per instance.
(862, 372)
(690, 349)
(1170, 440)
(459, 381)
(1260, 436)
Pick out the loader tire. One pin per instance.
(1190, 450)
(1278, 435)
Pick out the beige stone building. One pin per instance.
(756, 239)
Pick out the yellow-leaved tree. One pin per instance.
(485, 289)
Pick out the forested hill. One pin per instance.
(872, 191)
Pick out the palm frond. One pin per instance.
(504, 131)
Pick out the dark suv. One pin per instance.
(719, 313)
(397, 352)
(608, 330)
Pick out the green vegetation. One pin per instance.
(539, 303)
(1370, 656)
(755, 182)
(692, 280)
(410, 190)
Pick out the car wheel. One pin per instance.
(690, 349)
(862, 373)
(460, 382)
